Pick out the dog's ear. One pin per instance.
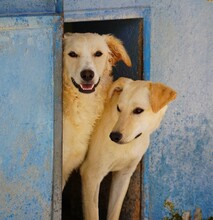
(160, 95)
(117, 50)
(66, 35)
(117, 86)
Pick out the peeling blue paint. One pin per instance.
(17, 7)
(178, 165)
(27, 115)
(105, 14)
(146, 44)
(181, 172)
(76, 5)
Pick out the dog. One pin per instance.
(121, 137)
(88, 60)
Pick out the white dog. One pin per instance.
(88, 61)
(120, 139)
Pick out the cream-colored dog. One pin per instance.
(120, 139)
(88, 61)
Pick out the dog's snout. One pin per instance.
(115, 136)
(87, 75)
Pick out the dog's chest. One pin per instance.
(84, 111)
(128, 155)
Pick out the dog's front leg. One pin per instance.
(119, 186)
(90, 190)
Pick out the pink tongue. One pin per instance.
(87, 86)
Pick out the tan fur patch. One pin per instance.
(118, 51)
(160, 95)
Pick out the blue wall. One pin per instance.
(180, 161)
(30, 51)
(179, 164)
(27, 7)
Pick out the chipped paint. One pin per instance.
(27, 115)
(16, 7)
(178, 166)
(105, 14)
(76, 5)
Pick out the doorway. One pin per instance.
(130, 32)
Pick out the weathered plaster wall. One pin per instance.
(28, 48)
(27, 7)
(179, 164)
(180, 161)
(15, 7)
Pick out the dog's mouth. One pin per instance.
(85, 87)
(117, 137)
(138, 135)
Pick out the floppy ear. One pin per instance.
(66, 35)
(160, 95)
(118, 86)
(118, 52)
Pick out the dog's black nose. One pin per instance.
(87, 75)
(115, 136)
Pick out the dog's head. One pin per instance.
(88, 56)
(141, 107)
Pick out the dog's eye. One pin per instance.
(138, 110)
(118, 109)
(73, 54)
(98, 53)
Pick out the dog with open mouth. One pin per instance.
(88, 59)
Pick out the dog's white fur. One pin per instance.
(122, 157)
(80, 110)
